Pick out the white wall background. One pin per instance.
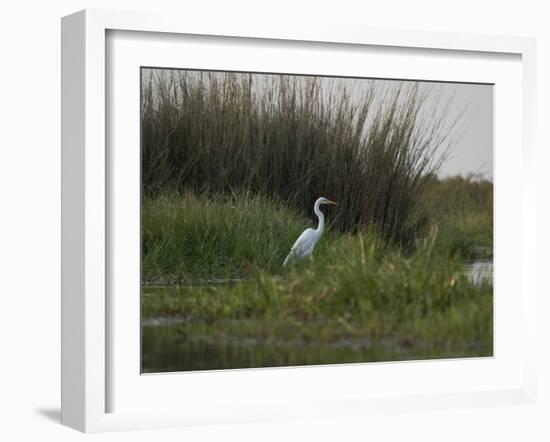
(30, 216)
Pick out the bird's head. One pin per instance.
(324, 200)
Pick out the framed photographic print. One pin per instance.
(269, 223)
(236, 274)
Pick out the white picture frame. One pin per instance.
(87, 356)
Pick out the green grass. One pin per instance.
(188, 237)
(355, 286)
(346, 279)
(423, 303)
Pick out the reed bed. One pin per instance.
(292, 138)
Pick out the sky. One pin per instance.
(474, 151)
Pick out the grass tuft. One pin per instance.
(190, 237)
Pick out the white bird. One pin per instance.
(304, 245)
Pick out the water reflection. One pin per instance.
(480, 272)
(168, 347)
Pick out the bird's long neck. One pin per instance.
(321, 217)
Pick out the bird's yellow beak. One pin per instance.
(330, 202)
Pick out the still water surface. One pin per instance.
(166, 348)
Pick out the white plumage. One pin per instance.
(304, 245)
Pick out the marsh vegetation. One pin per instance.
(231, 165)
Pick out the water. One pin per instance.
(480, 272)
(168, 347)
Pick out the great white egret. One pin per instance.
(304, 245)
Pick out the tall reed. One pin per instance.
(294, 138)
